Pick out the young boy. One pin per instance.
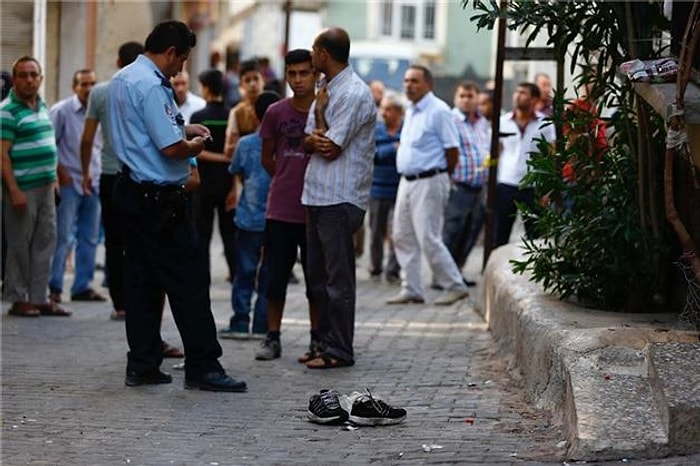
(213, 170)
(283, 156)
(242, 119)
(250, 233)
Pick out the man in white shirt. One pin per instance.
(187, 102)
(428, 153)
(524, 127)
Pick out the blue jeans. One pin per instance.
(251, 275)
(80, 214)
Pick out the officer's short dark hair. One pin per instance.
(171, 34)
(213, 80)
(129, 51)
(249, 65)
(296, 56)
(263, 101)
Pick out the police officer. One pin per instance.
(161, 251)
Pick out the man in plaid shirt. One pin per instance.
(464, 213)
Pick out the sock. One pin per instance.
(273, 335)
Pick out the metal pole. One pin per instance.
(39, 37)
(495, 130)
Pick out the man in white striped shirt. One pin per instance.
(336, 192)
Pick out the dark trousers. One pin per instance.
(210, 198)
(381, 215)
(114, 241)
(463, 219)
(506, 211)
(162, 253)
(331, 273)
(283, 241)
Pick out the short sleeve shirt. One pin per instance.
(143, 120)
(33, 144)
(428, 130)
(250, 212)
(97, 110)
(284, 124)
(516, 148)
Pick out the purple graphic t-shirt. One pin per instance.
(285, 125)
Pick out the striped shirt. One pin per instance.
(474, 139)
(33, 144)
(351, 115)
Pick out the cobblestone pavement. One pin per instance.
(64, 400)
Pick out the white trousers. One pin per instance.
(419, 215)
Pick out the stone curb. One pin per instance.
(596, 370)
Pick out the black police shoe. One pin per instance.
(216, 382)
(134, 379)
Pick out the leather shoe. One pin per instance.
(150, 378)
(216, 382)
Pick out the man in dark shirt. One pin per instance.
(213, 170)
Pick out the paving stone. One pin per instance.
(64, 401)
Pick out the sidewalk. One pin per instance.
(64, 401)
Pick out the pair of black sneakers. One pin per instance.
(361, 409)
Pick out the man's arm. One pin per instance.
(64, 178)
(452, 156)
(86, 143)
(232, 134)
(232, 196)
(268, 156)
(19, 200)
(318, 142)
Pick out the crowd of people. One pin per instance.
(289, 179)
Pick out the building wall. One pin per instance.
(465, 48)
(457, 45)
(351, 16)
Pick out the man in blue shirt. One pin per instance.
(162, 252)
(78, 214)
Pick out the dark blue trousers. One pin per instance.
(162, 253)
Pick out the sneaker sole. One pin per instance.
(375, 421)
(326, 420)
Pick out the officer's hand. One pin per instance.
(196, 145)
(196, 129)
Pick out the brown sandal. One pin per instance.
(52, 309)
(23, 309)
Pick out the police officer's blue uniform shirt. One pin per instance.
(144, 119)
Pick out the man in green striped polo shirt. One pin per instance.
(29, 177)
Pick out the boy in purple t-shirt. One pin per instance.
(282, 132)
